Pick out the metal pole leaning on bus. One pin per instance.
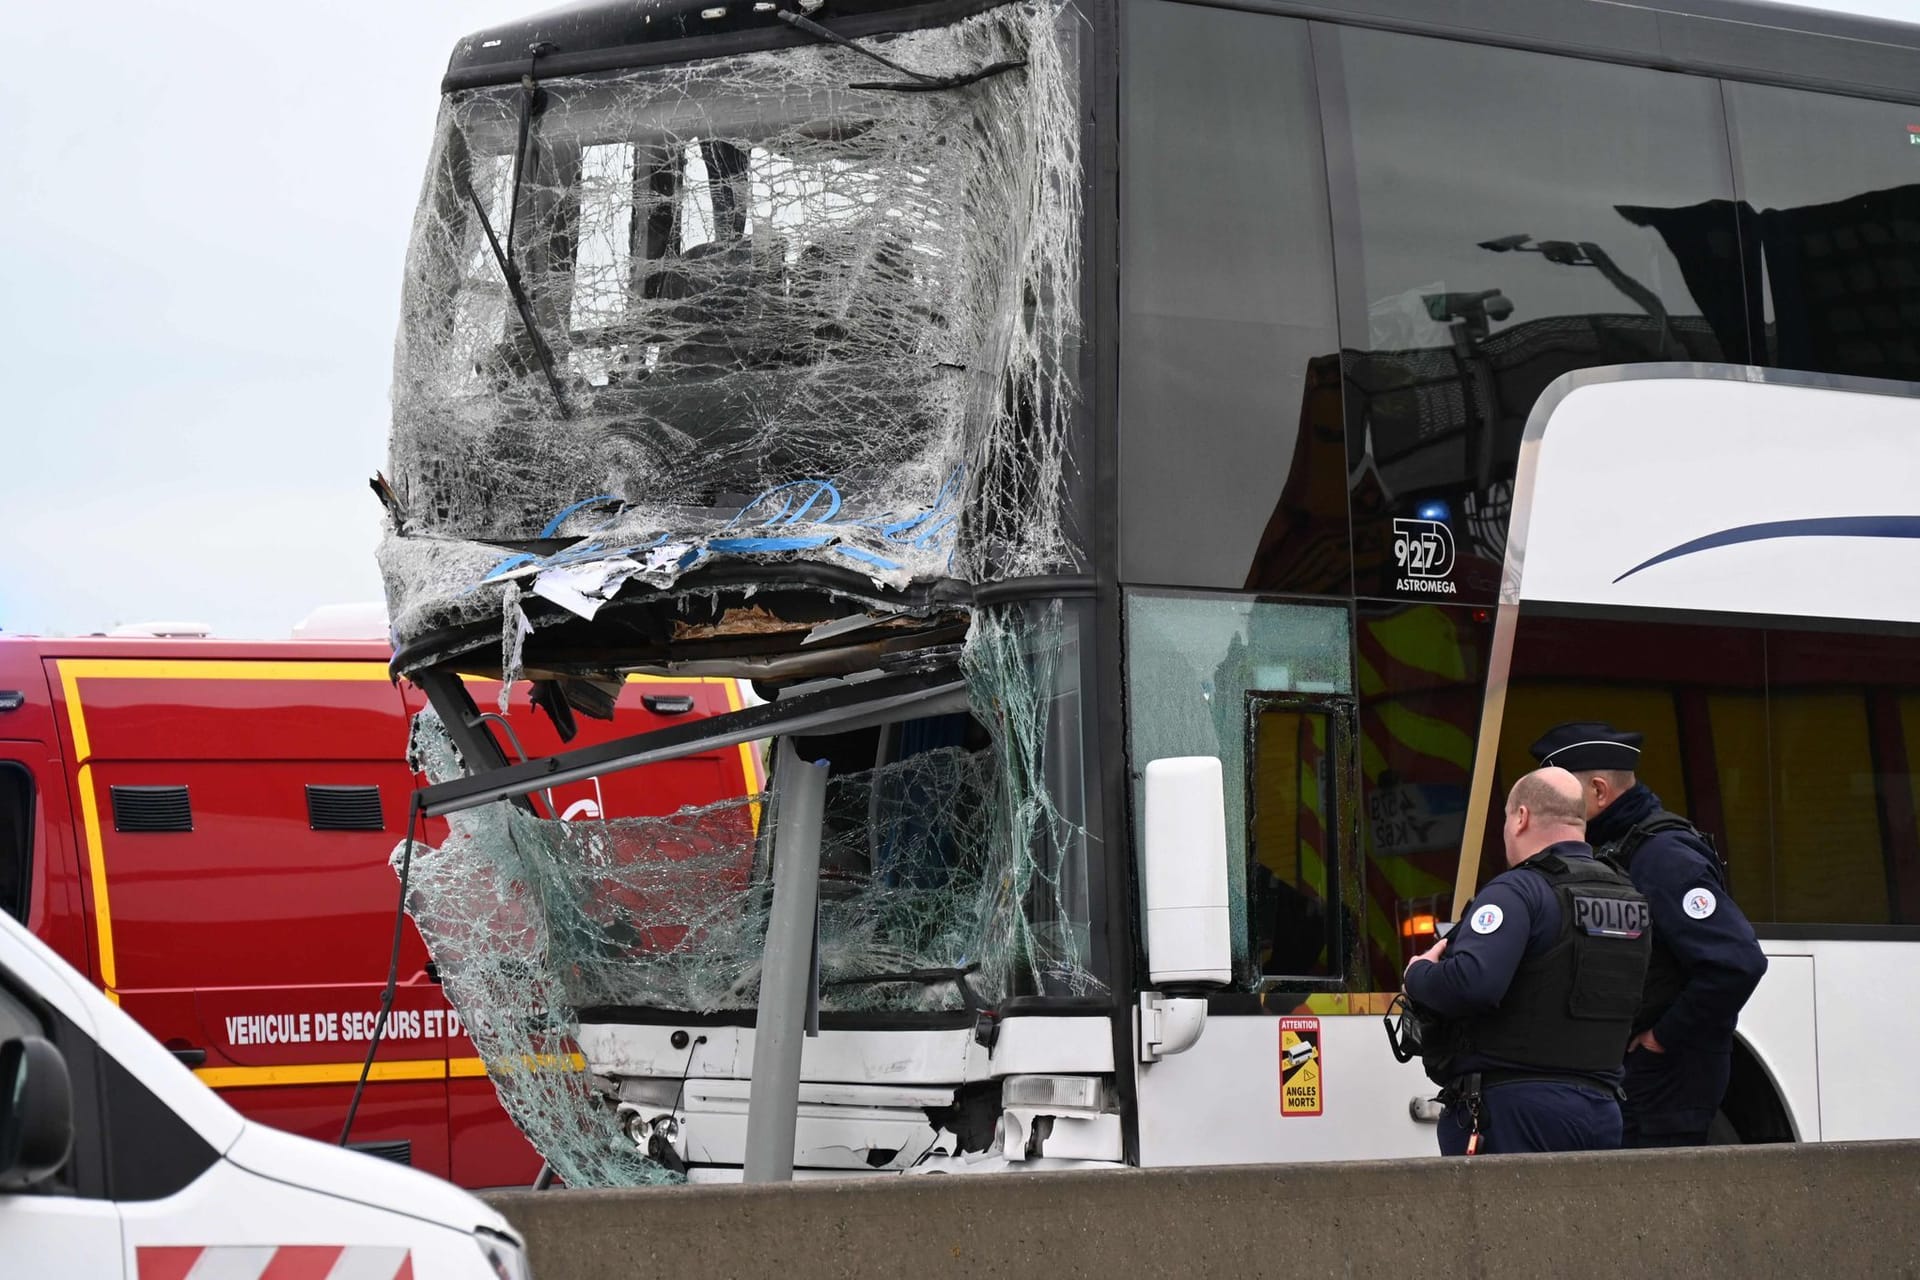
(773, 1102)
(393, 967)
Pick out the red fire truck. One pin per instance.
(204, 828)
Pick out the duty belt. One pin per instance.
(1467, 1088)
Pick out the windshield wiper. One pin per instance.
(520, 302)
(529, 94)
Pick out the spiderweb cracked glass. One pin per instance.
(790, 318)
(945, 860)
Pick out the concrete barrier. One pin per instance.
(1813, 1213)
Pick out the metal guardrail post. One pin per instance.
(773, 1102)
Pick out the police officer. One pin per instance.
(1526, 1005)
(1706, 959)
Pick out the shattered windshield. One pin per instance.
(746, 273)
(778, 309)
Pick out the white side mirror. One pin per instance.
(1189, 936)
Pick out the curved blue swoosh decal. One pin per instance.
(1822, 527)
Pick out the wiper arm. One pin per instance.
(514, 286)
(529, 94)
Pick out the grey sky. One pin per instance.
(202, 226)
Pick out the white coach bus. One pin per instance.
(1407, 383)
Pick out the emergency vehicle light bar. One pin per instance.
(857, 705)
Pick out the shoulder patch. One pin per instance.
(1699, 903)
(1488, 918)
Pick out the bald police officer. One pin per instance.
(1706, 959)
(1526, 1004)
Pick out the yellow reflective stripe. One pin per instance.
(217, 669)
(1344, 1004)
(320, 1073)
(1423, 638)
(1371, 683)
(1382, 927)
(1373, 761)
(90, 827)
(383, 1072)
(749, 770)
(541, 1062)
(97, 873)
(1426, 734)
(1409, 881)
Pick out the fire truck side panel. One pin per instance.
(234, 920)
(37, 803)
(245, 934)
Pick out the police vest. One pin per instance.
(1570, 1008)
(1665, 975)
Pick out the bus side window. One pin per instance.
(1197, 664)
(1794, 749)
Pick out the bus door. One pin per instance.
(1294, 1065)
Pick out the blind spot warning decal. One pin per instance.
(1301, 1067)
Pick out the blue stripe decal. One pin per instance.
(1823, 527)
(552, 528)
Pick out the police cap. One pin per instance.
(1588, 744)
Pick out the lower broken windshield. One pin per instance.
(955, 874)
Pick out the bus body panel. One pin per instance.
(1220, 1102)
(1780, 1029)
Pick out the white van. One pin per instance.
(116, 1162)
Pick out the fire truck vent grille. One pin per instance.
(400, 1152)
(151, 809)
(344, 808)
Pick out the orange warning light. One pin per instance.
(1414, 926)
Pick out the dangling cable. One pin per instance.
(393, 970)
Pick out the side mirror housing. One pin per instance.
(36, 1113)
(1189, 934)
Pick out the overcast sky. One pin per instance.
(203, 215)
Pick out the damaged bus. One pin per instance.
(1159, 463)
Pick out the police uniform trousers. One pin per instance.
(1671, 1096)
(1535, 1115)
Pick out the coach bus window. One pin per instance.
(1509, 216)
(1192, 662)
(1844, 720)
(1794, 749)
(16, 840)
(1831, 191)
(1420, 670)
(1232, 449)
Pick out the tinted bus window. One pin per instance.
(1794, 749)
(1832, 196)
(1421, 671)
(1232, 450)
(1505, 217)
